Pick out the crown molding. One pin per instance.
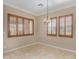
(57, 9)
(18, 8)
(42, 13)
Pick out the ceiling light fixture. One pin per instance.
(47, 19)
(40, 4)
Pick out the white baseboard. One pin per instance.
(42, 44)
(20, 47)
(53, 46)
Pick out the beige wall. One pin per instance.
(68, 43)
(10, 43)
(39, 31)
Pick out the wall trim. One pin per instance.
(42, 13)
(61, 48)
(58, 9)
(46, 44)
(20, 47)
(18, 8)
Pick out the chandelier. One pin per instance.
(47, 19)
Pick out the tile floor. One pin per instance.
(39, 51)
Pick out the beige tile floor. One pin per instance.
(39, 51)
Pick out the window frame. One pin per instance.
(51, 27)
(71, 36)
(8, 28)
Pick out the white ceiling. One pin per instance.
(32, 7)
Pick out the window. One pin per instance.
(52, 27)
(19, 26)
(66, 25)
